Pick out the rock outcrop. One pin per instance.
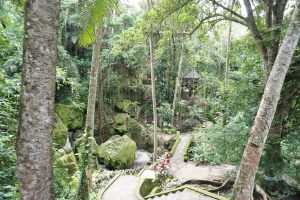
(69, 115)
(118, 152)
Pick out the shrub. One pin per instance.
(164, 113)
(290, 152)
(9, 102)
(221, 144)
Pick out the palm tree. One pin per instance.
(93, 12)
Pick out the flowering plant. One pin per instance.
(162, 166)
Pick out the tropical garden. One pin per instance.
(149, 99)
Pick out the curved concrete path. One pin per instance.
(188, 170)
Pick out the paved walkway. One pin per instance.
(124, 186)
(122, 189)
(187, 170)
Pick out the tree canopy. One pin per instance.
(124, 73)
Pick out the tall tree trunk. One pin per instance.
(66, 28)
(218, 69)
(227, 53)
(177, 84)
(173, 52)
(34, 138)
(90, 115)
(112, 19)
(152, 65)
(84, 187)
(101, 111)
(244, 183)
(228, 47)
(274, 151)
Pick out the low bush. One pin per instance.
(221, 144)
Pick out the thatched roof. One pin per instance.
(192, 75)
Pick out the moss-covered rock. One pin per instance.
(122, 105)
(60, 132)
(69, 115)
(121, 118)
(113, 137)
(120, 123)
(121, 128)
(140, 135)
(109, 127)
(118, 152)
(68, 161)
(123, 124)
(134, 129)
(132, 108)
(138, 92)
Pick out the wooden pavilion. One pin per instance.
(190, 81)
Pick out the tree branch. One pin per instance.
(233, 19)
(171, 11)
(224, 17)
(201, 22)
(256, 34)
(229, 10)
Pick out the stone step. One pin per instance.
(177, 195)
(186, 194)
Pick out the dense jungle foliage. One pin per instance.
(126, 89)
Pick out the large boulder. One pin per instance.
(70, 116)
(121, 118)
(134, 129)
(118, 152)
(60, 132)
(123, 124)
(140, 135)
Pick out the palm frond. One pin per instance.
(94, 13)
